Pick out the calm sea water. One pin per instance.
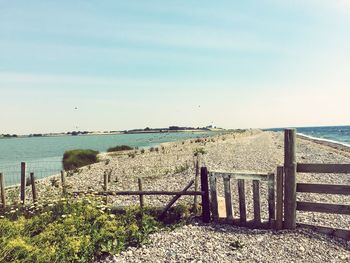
(339, 134)
(43, 155)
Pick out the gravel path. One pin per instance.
(218, 243)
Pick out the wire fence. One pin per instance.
(41, 169)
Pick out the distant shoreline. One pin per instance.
(333, 144)
(111, 133)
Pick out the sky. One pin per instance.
(117, 65)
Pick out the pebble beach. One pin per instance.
(171, 167)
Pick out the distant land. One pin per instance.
(133, 131)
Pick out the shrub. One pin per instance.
(199, 151)
(78, 230)
(151, 149)
(131, 155)
(119, 148)
(181, 168)
(142, 151)
(74, 159)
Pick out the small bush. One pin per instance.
(142, 151)
(74, 159)
(54, 182)
(119, 148)
(132, 155)
(181, 168)
(151, 149)
(199, 151)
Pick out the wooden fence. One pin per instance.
(291, 168)
(204, 192)
(241, 177)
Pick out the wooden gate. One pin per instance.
(256, 179)
(291, 168)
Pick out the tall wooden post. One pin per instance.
(23, 182)
(142, 201)
(63, 182)
(205, 195)
(195, 200)
(32, 180)
(279, 202)
(2, 189)
(290, 170)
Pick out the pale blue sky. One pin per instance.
(130, 64)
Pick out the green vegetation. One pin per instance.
(74, 159)
(181, 168)
(119, 148)
(77, 230)
(199, 151)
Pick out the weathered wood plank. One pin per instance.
(256, 202)
(2, 191)
(341, 233)
(228, 198)
(279, 201)
(242, 204)
(322, 168)
(246, 175)
(213, 197)
(196, 179)
(323, 189)
(249, 224)
(271, 197)
(290, 168)
(34, 194)
(172, 201)
(205, 195)
(323, 208)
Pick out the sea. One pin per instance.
(43, 155)
(336, 134)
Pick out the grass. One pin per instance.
(78, 230)
(74, 159)
(199, 151)
(119, 148)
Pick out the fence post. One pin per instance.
(2, 188)
(63, 183)
(142, 201)
(205, 195)
(32, 180)
(23, 182)
(290, 179)
(195, 201)
(105, 186)
(279, 202)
